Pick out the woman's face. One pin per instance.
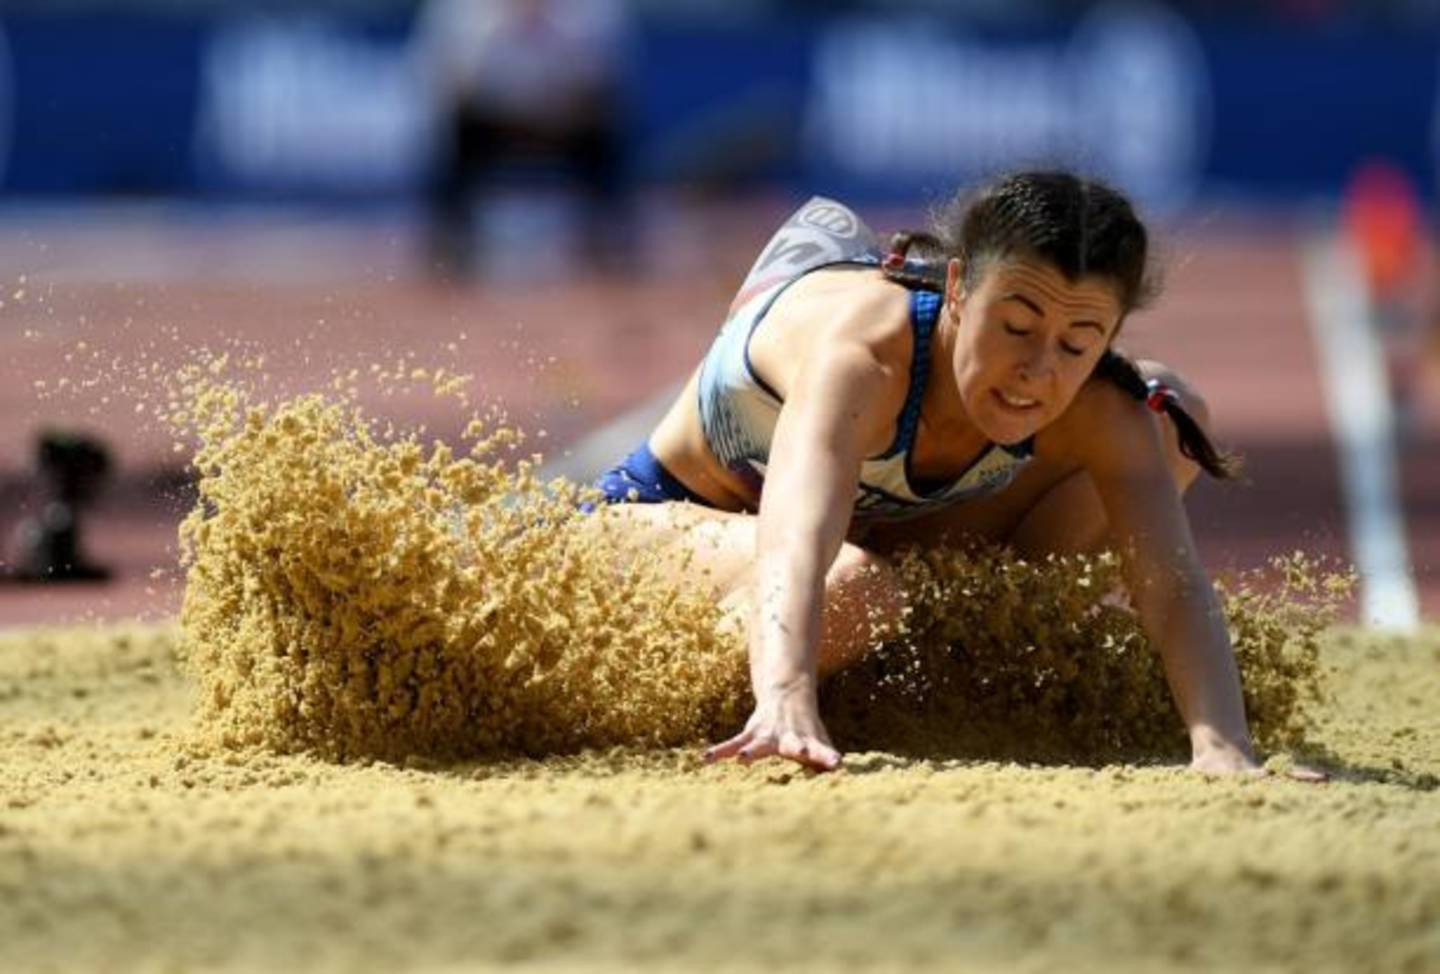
(1026, 339)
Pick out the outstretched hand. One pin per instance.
(1218, 762)
(785, 724)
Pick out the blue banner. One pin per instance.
(866, 108)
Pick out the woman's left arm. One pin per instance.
(1124, 452)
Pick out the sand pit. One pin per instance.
(124, 848)
(419, 712)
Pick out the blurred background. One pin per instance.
(560, 196)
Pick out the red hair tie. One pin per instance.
(893, 261)
(1160, 396)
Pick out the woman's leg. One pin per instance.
(864, 603)
(716, 549)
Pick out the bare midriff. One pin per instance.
(678, 442)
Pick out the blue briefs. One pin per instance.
(642, 479)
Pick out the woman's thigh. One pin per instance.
(716, 549)
(709, 548)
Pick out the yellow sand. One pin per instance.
(354, 593)
(122, 849)
(321, 766)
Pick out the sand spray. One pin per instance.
(355, 592)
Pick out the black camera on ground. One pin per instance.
(71, 469)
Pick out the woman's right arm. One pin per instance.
(836, 407)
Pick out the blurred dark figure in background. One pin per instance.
(1383, 217)
(519, 83)
(46, 546)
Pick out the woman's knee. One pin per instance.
(854, 563)
(863, 591)
(864, 605)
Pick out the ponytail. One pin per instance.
(925, 273)
(1162, 399)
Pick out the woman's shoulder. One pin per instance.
(844, 305)
(852, 323)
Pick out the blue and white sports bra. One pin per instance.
(738, 410)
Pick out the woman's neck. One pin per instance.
(943, 418)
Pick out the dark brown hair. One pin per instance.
(1082, 227)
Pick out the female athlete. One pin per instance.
(961, 386)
